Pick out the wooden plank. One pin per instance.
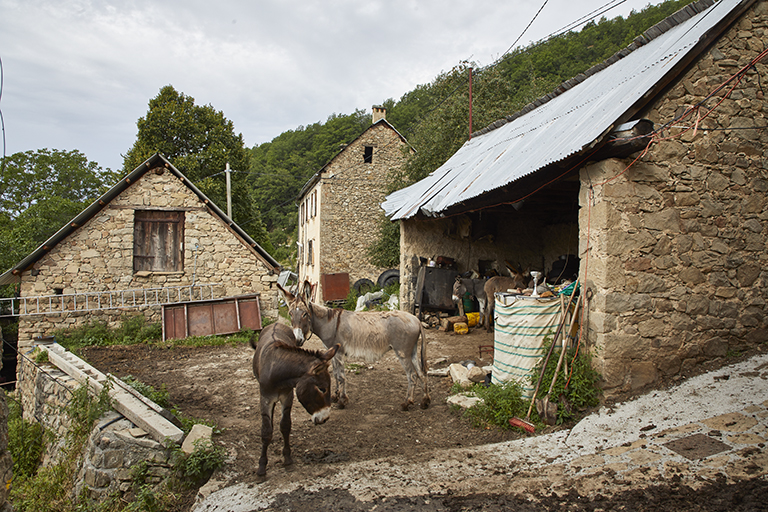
(124, 402)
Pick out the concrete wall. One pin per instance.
(99, 257)
(677, 244)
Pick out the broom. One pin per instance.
(526, 423)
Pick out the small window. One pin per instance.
(368, 155)
(310, 258)
(314, 203)
(158, 241)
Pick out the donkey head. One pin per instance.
(314, 388)
(299, 313)
(458, 289)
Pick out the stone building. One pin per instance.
(153, 238)
(651, 168)
(339, 209)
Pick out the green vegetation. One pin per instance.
(134, 330)
(47, 489)
(504, 401)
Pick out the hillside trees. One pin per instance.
(199, 141)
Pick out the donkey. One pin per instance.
(499, 284)
(366, 335)
(476, 289)
(280, 366)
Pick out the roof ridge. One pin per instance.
(678, 17)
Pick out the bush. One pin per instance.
(201, 463)
(499, 404)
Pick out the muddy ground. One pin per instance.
(217, 384)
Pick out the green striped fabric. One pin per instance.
(520, 329)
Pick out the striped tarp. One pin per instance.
(520, 329)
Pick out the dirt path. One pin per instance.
(217, 384)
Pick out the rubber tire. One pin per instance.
(363, 286)
(388, 277)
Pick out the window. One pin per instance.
(368, 154)
(158, 241)
(310, 258)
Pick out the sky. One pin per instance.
(78, 74)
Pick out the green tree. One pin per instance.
(199, 141)
(35, 176)
(40, 191)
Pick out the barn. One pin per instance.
(152, 239)
(649, 172)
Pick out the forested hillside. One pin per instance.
(434, 119)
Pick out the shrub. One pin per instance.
(499, 403)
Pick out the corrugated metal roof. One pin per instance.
(13, 275)
(565, 123)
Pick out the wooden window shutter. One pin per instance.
(158, 241)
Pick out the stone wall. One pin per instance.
(677, 243)
(113, 451)
(469, 239)
(99, 257)
(352, 193)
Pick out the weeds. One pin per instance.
(47, 489)
(200, 464)
(351, 302)
(502, 402)
(582, 381)
(499, 404)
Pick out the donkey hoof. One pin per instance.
(405, 405)
(261, 478)
(424, 403)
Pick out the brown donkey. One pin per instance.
(280, 366)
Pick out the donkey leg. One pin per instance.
(267, 410)
(417, 365)
(407, 365)
(340, 395)
(285, 427)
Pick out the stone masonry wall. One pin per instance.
(527, 243)
(113, 451)
(677, 243)
(99, 257)
(352, 194)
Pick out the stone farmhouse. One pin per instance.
(153, 238)
(652, 169)
(339, 210)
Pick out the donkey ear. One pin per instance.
(330, 352)
(286, 294)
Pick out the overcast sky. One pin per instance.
(78, 74)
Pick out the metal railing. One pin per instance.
(108, 299)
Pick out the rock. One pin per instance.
(459, 374)
(198, 432)
(476, 374)
(463, 401)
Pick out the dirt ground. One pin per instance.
(217, 384)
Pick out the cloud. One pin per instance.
(78, 74)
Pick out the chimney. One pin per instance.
(379, 113)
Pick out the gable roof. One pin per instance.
(576, 117)
(316, 177)
(13, 275)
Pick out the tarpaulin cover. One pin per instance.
(520, 329)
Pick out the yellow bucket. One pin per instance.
(460, 328)
(473, 319)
